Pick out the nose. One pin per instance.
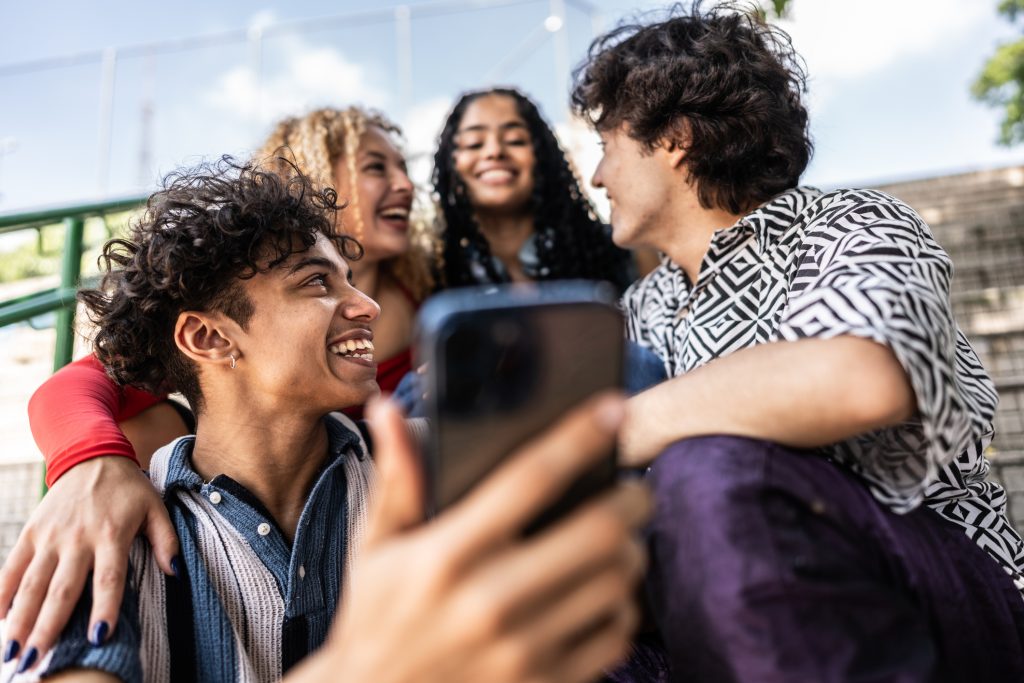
(493, 147)
(357, 306)
(596, 180)
(400, 182)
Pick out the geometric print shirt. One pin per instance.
(850, 262)
(247, 605)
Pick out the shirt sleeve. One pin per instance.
(875, 272)
(74, 416)
(119, 655)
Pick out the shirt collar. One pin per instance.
(180, 474)
(774, 218)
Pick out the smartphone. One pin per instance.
(502, 364)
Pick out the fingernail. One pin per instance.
(11, 650)
(611, 412)
(176, 566)
(99, 633)
(28, 660)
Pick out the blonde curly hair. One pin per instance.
(315, 142)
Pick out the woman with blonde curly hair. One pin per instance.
(356, 151)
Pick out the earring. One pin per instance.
(232, 357)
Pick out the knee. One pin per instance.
(708, 463)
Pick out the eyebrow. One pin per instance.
(481, 127)
(313, 261)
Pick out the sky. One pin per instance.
(888, 94)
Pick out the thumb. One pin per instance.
(398, 499)
(162, 538)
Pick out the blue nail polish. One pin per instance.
(11, 650)
(28, 660)
(176, 566)
(99, 633)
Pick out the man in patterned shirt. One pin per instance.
(823, 509)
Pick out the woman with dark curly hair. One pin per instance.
(511, 207)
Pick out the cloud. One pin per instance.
(421, 126)
(308, 76)
(840, 39)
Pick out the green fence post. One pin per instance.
(70, 271)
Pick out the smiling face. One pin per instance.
(383, 195)
(494, 155)
(642, 186)
(308, 342)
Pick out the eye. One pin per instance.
(375, 167)
(318, 280)
(517, 142)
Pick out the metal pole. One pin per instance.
(561, 38)
(403, 46)
(70, 271)
(108, 74)
(256, 64)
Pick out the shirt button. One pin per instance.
(215, 497)
(263, 529)
(302, 571)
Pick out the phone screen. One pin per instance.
(501, 368)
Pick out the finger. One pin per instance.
(398, 494)
(591, 603)
(34, 584)
(600, 650)
(526, 579)
(517, 491)
(61, 597)
(162, 537)
(108, 579)
(13, 570)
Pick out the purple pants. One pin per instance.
(770, 565)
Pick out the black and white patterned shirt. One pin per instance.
(850, 262)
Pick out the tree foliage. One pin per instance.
(1001, 82)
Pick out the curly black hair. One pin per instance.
(720, 83)
(571, 242)
(207, 229)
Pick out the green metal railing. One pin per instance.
(61, 298)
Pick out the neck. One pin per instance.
(274, 455)
(687, 235)
(506, 234)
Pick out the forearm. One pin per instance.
(807, 393)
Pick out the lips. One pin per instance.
(496, 176)
(396, 216)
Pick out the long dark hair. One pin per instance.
(571, 242)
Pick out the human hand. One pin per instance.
(86, 522)
(465, 597)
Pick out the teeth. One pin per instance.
(349, 347)
(395, 213)
(496, 174)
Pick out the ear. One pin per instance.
(676, 154)
(206, 337)
(678, 143)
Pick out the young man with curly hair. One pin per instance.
(823, 512)
(235, 290)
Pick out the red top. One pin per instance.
(74, 414)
